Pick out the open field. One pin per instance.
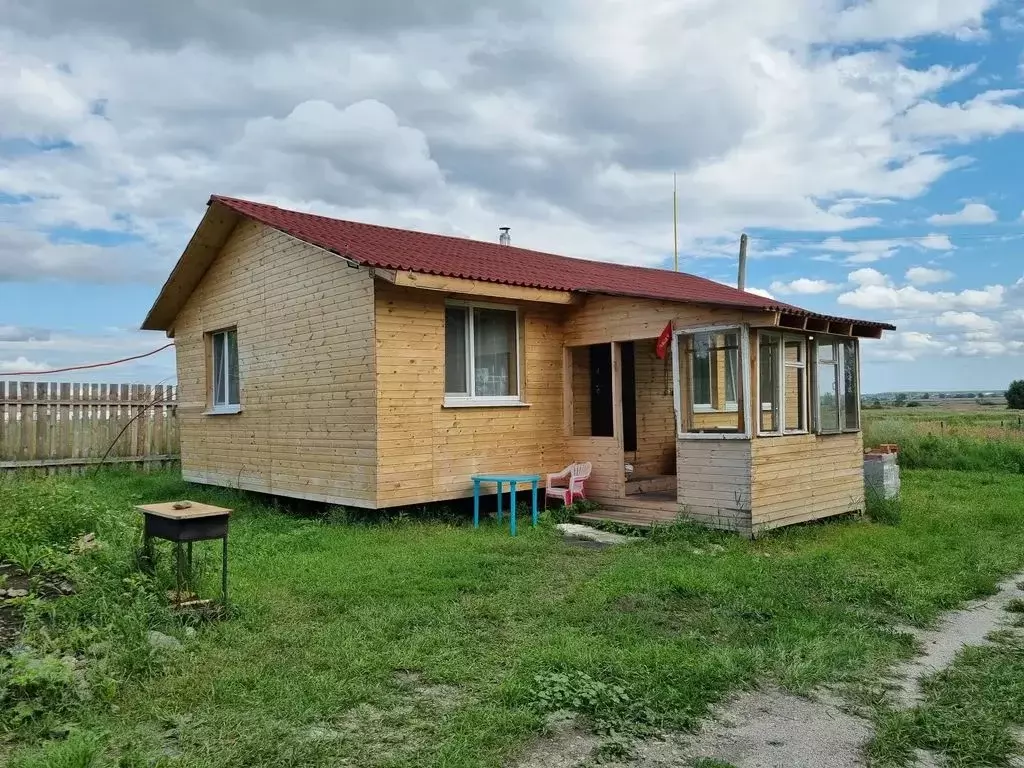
(434, 644)
(937, 438)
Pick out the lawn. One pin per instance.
(420, 643)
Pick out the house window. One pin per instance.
(782, 365)
(838, 394)
(708, 367)
(481, 355)
(224, 383)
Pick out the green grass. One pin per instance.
(434, 644)
(968, 712)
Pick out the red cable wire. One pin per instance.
(91, 365)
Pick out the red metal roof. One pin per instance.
(403, 249)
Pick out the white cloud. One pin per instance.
(967, 321)
(987, 114)
(46, 349)
(20, 365)
(804, 286)
(868, 277)
(563, 120)
(876, 291)
(907, 346)
(884, 19)
(871, 251)
(935, 242)
(927, 275)
(971, 213)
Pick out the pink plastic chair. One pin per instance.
(576, 475)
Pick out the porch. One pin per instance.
(738, 426)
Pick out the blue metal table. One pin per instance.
(500, 480)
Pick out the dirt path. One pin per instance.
(774, 729)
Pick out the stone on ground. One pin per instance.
(586, 533)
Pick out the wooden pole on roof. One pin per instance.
(675, 225)
(741, 276)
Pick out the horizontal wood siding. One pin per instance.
(579, 358)
(428, 452)
(607, 480)
(714, 482)
(655, 414)
(305, 347)
(598, 319)
(806, 477)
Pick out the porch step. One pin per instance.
(641, 514)
(651, 483)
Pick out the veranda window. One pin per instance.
(710, 380)
(481, 355)
(837, 404)
(782, 366)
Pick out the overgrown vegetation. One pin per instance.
(76, 650)
(332, 621)
(972, 442)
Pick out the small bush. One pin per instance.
(32, 684)
(613, 711)
(883, 510)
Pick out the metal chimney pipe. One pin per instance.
(741, 277)
(504, 238)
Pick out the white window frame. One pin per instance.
(839, 346)
(728, 406)
(225, 407)
(469, 400)
(780, 339)
(743, 331)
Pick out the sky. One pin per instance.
(872, 149)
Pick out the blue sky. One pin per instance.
(872, 150)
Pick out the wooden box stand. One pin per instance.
(172, 521)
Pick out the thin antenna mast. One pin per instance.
(675, 225)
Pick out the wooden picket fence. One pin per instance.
(63, 427)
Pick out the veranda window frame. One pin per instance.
(470, 399)
(743, 382)
(839, 347)
(779, 339)
(716, 405)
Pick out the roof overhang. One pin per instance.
(206, 242)
(428, 282)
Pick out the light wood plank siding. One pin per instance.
(427, 452)
(797, 478)
(607, 480)
(655, 414)
(305, 348)
(579, 360)
(599, 319)
(714, 482)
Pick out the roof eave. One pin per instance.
(204, 245)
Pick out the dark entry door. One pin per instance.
(601, 419)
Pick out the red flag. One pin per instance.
(661, 347)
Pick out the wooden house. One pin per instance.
(375, 367)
